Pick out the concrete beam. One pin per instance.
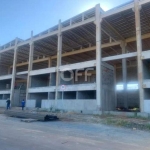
(42, 89)
(132, 39)
(117, 10)
(5, 91)
(146, 83)
(42, 71)
(21, 73)
(5, 77)
(34, 61)
(78, 24)
(51, 33)
(81, 65)
(78, 87)
(146, 55)
(70, 53)
(121, 56)
(141, 2)
(122, 8)
(104, 15)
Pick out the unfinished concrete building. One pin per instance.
(112, 46)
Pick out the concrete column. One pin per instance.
(14, 72)
(98, 60)
(49, 65)
(115, 85)
(59, 53)
(0, 63)
(139, 51)
(124, 74)
(30, 65)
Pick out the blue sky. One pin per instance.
(19, 17)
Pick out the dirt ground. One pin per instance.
(67, 134)
(135, 123)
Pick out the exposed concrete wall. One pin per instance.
(69, 95)
(146, 94)
(131, 74)
(81, 91)
(40, 81)
(60, 95)
(146, 69)
(86, 95)
(38, 97)
(90, 79)
(3, 103)
(132, 95)
(147, 106)
(108, 97)
(51, 95)
(79, 87)
(67, 75)
(82, 79)
(19, 95)
(5, 84)
(47, 104)
(132, 98)
(42, 89)
(16, 101)
(53, 79)
(5, 96)
(71, 105)
(31, 103)
(108, 89)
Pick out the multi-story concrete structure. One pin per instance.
(114, 43)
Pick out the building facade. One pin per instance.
(77, 64)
